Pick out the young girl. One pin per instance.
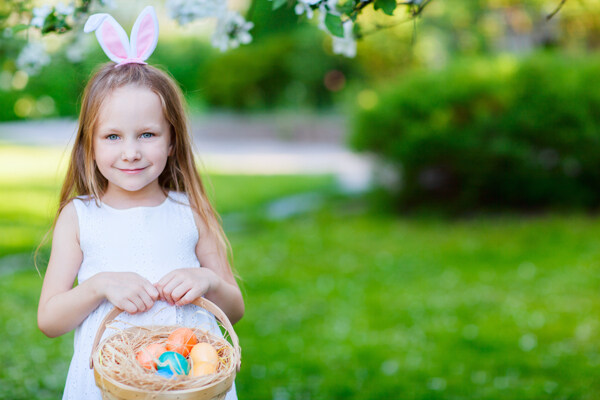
(134, 225)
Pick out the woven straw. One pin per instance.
(209, 389)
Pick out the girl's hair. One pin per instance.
(180, 173)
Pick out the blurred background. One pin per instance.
(417, 222)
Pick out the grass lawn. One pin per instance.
(347, 303)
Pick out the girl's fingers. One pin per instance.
(139, 304)
(128, 306)
(146, 300)
(151, 291)
(169, 288)
(179, 291)
(164, 281)
(190, 296)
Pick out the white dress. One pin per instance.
(150, 241)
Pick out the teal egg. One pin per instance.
(174, 362)
(165, 373)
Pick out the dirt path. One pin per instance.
(228, 143)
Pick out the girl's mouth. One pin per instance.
(132, 171)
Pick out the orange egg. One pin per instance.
(204, 352)
(148, 355)
(203, 368)
(181, 340)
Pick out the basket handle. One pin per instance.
(200, 302)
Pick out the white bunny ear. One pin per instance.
(111, 36)
(94, 22)
(144, 34)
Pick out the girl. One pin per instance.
(134, 225)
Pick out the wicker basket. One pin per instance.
(113, 390)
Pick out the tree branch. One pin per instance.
(556, 10)
(380, 27)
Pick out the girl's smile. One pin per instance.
(132, 171)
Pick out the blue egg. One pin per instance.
(165, 373)
(173, 362)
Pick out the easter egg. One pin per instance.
(204, 352)
(174, 362)
(165, 373)
(203, 368)
(148, 355)
(181, 340)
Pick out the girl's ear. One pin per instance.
(144, 34)
(111, 36)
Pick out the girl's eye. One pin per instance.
(147, 135)
(112, 137)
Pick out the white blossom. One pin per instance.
(330, 5)
(65, 10)
(110, 4)
(39, 15)
(185, 11)
(32, 58)
(78, 49)
(346, 45)
(304, 6)
(327, 7)
(322, 15)
(231, 31)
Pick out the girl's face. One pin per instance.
(132, 140)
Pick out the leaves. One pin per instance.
(278, 4)
(347, 7)
(19, 28)
(55, 23)
(357, 31)
(334, 25)
(387, 6)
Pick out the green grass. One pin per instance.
(30, 184)
(345, 303)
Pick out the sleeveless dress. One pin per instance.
(151, 241)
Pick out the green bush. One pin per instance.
(281, 70)
(278, 71)
(54, 92)
(63, 81)
(491, 134)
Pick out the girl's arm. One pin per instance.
(215, 280)
(63, 307)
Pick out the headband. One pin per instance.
(114, 41)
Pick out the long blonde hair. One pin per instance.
(180, 174)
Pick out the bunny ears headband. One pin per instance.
(114, 41)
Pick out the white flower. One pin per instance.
(327, 7)
(232, 30)
(65, 10)
(39, 15)
(346, 45)
(185, 11)
(322, 15)
(302, 8)
(110, 4)
(330, 5)
(32, 58)
(78, 49)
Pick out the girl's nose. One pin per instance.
(130, 153)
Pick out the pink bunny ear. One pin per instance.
(144, 34)
(111, 36)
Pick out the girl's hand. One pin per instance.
(183, 286)
(128, 291)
